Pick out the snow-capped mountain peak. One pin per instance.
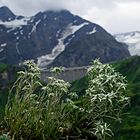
(132, 39)
(56, 38)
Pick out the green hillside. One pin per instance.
(130, 127)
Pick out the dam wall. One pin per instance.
(68, 75)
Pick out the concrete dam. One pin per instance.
(68, 74)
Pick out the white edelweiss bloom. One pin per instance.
(44, 88)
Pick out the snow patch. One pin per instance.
(17, 37)
(60, 47)
(15, 23)
(132, 39)
(32, 19)
(48, 59)
(134, 49)
(1, 50)
(58, 32)
(75, 28)
(34, 27)
(9, 19)
(3, 45)
(93, 31)
(74, 21)
(69, 40)
(45, 16)
(18, 49)
(21, 32)
(8, 31)
(15, 33)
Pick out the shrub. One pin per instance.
(4, 137)
(50, 111)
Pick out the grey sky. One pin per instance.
(114, 15)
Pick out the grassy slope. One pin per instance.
(3, 67)
(130, 127)
(130, 68)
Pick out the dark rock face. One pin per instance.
(100, 45)
(6, 14)
(55, 38)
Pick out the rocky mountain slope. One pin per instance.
(55, 38)
(132, 39)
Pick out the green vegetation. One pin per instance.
(52, 111)
(3, 67)
(4, 137)
(130, 127)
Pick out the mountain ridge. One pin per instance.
(132, 39)
(57, 38)
(6, 13)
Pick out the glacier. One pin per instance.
(132, 39)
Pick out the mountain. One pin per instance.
(132, 39)
(55, 38)
(6, 14)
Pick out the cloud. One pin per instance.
(114, 15)
(32, 6)
(123, 17)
